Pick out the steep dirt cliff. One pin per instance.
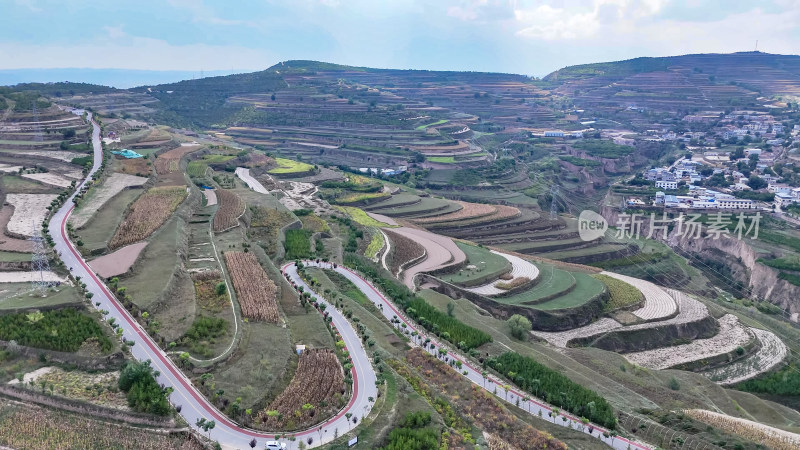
(732, 258)
(740, 257)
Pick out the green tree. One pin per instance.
(221, 288)
(520, 326)
(755, 182)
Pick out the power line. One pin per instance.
(553, 205)
(40, 263)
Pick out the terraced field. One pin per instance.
(288, 167)
(658, 304)
(522, 272)
(768, 356)
(690, 311)
(441, 252)
(396, 200)
(483, 266)
(730, 336)
(98, 197)
(554, 283)
(427, 206)
(586, 288)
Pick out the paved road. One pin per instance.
(251, 182)
(194, 405)
(474, 372)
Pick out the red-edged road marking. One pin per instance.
(201, 400)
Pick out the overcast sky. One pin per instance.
(527, 37)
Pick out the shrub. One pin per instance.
(520, 326)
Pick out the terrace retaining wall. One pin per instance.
(28, 395)
(112, 361)
(556, 320)
(625, 340)
(26, 309)
(626, 250)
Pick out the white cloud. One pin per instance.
(201, 13)
(483, 10)
(30, 4)
(583, 19)
(115, 32)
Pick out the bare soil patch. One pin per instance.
(29, 212)
(118, 262)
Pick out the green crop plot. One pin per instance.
(622, 293)
(441, 159)
(552, 283)
(298, 244)
(484, 266)
(438, 122)
(290, 166)
(586, 288)
(361, 217)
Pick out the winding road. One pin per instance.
(193, 404)
(472, 371)
(230, 435)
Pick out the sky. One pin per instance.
(517, 36)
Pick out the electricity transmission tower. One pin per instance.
(553, 205)
(40, 264)
(37, 125)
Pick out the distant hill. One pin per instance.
(118, 78)
(203, 102)
(742, 65)
(684, 82)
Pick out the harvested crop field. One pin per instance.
(138, 167)
(48, 178)
(319, 380)
(27, 277)
(522, 273)
(33, 427)
(112, 186)
(730, 336)
(403, 250)
(658, 304)
(441, 252)
(769, 355)
(10, 244)
(147, 214)
(169, 162)
(773, 438)
(60, 155)
(29, 212)
(468, 211)
(254, 289)
(118, 262)
(231, 207)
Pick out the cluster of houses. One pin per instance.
(688, 172)
(668, 177)
(387, 172)
(737, 125)
(702, 198)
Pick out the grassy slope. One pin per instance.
(488, 265)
